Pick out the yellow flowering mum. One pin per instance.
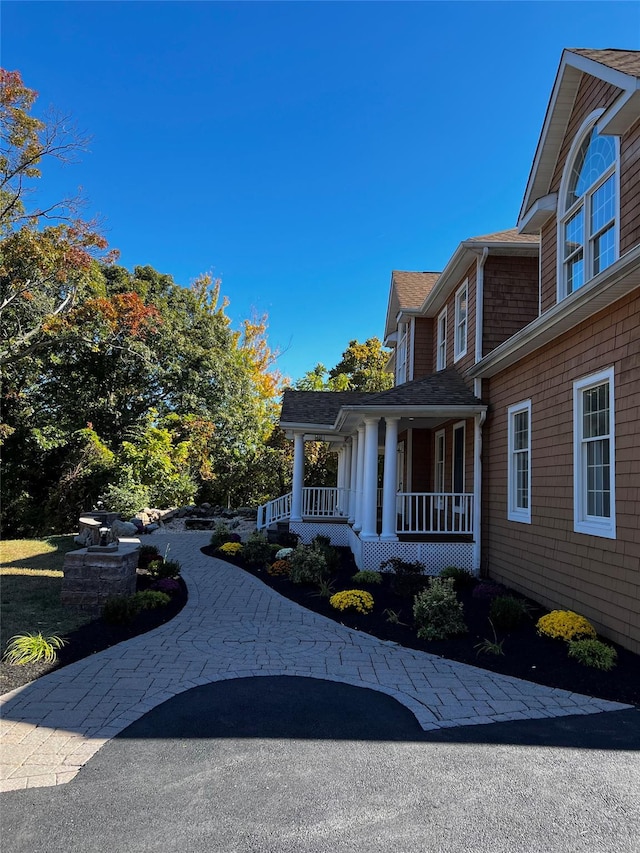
(565, 625)
(353, 599)
(231, 548)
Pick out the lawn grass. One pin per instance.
(30, 585)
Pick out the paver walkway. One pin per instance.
(233, 626)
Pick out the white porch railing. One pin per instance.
(417, 512)
(276, 510)
(324, 502)
(434, 512)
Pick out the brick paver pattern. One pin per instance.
(233, 626)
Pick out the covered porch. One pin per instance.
(389, 446)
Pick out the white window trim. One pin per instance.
(441, 341)
(515, 513)
(458, 354)
(401, 353)
(564, 215)
(439, 485)
(583, 523)
(463, 426)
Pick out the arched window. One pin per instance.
(587, 228)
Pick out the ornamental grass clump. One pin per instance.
(437, 611)
(230, 549)
(593, 653)
(32, 648)
(353, 599)
(565, 625)
(508, 612)
(149, 599)
(367, 577)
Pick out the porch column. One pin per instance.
(477, 491)
(298, 477)
(370, 480)
(357, 525)
(353, 482)
(390, 481)
(343, 497)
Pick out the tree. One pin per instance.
(47, 252)
(364, 365)
(362, 368)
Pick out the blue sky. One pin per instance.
(301, 151)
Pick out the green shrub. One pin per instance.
(160, 569)
(460, 577)
(149, 599)
(31, 648)
(119, 610)
(593, 653)
(437, 611)
(220, 535)
(256, 550)
(367, 577)
(507, 612)
(565, 625)
(330, 554)
(308, 565)
(146, 555)
(126, 497)
(408, 578)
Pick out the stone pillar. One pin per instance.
(370, 480)
(90, 577)
(357, 525)
(390, 481)
(353, 482)
(298, 477)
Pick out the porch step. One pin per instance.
(277, 530)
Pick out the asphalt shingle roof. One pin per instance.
(627, 61)
(511, 235)
(445, 388)
(412, 287)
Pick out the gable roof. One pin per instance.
(407, 293)
(511, 235)
(326, 411)
(621, 68)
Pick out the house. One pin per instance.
(509, 444)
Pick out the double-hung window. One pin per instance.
(589, 199)
(460, 331)
(402, 354)
(519, 470)
(441, 345)
(594, 455)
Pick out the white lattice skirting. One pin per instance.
(307, 530)
(369, 555)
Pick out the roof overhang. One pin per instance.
(350, 417)
(539, 213)
(618, 280)
(616, 119)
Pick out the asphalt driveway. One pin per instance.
(297, 764)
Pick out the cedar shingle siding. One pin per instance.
(510, 298)
(597, 577)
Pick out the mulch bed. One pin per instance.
(526, 655)
(94, 637)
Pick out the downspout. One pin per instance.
(480, 301)
(477, 481)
